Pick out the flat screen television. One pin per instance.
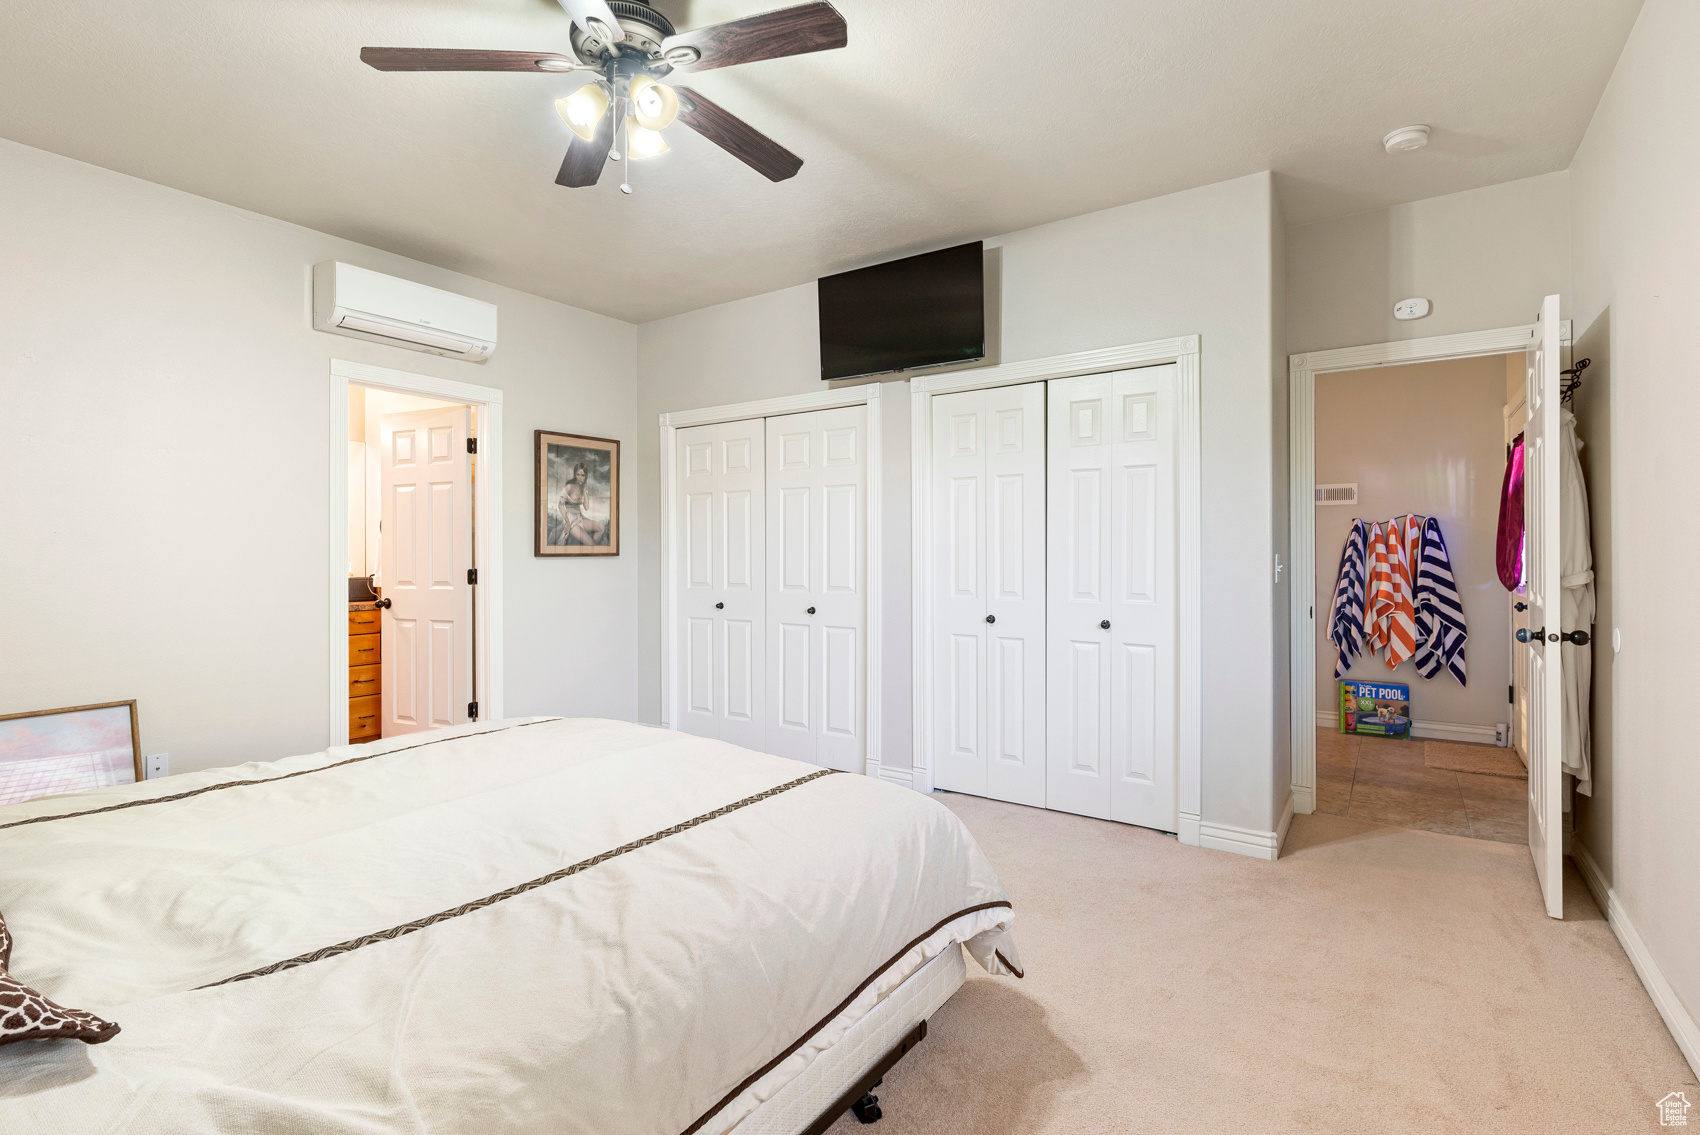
(922, 311)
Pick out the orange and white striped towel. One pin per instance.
(1379, 599)
(1404, 546)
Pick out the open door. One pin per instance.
(427, 552)
(1541, 450)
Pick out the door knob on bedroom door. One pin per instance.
(1524, 634)
(720, 606)
(1105, 624)
(811, 610)
(991, 618)
(1575, 638)
(384, 603)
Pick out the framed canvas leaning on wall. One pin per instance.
(49, 752)
(578, 495)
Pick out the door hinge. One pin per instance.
(472, 711)
(472, 445)
(472, 576)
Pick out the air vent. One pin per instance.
(1337, 494)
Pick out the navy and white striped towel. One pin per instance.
(1440, 613)
(1346, 616)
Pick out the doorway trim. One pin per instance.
(1302, 594)
(867, 394)
(1182, 351)
(486, 404)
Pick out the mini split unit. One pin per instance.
(370, 305)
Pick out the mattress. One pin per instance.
(519, 926)
(819, 1086)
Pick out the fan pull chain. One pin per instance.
(626, 167)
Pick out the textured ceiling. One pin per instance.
(943, 121)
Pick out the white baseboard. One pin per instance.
(1304, 799)
(1189, 833)
(1246, 841)
(1430, 730)
(1677, 1018)
(900, 776)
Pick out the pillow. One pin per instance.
(27, 1015)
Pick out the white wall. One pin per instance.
(1425, 438)
(164, 456)
(1199, 262)
(1635, 185)
(1484, 258)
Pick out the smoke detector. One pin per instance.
(1406, 138)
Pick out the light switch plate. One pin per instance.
(157, 765)
(1410, 309)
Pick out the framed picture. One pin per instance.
(578, 495)
(53, 751)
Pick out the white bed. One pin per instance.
(545, 925)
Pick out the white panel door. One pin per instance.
(1112, 736)
(719, 681)
(1541, 442)
(425, 484)
(989, 646)
(817, 587)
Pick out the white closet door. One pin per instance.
(719, 686)
(1111, 647)
(989, 653)
(426, 488)
(1543, 552)
(816, 586)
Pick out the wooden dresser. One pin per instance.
(364, 670)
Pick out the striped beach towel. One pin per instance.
(1440, 612)
(1404, 541)
(1390, 609)
(1346, 616)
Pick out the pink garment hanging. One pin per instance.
(1510, 544)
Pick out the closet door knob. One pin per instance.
(384, 603)
(991, 618)
(1105, 624)
(720, 606)
(1575, 638)
(811, 610)
(1520, 606)
(1524, 634)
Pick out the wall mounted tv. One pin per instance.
(923, 311)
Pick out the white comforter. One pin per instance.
(667, 988)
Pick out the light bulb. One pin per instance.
(654, 105)
(642, 142)
(583, 109)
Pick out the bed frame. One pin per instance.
(843, 1077)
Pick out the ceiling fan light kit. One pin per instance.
(583, 109)
(634, 47)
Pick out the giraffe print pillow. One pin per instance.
(27, 1015)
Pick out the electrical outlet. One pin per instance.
(158, 765)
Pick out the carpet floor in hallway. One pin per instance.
(1374, 979)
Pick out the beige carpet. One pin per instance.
(1487, 760)
(1374, 979)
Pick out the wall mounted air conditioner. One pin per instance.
(370, 305)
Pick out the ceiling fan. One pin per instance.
(632, 47)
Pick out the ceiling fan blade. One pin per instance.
(584, 161)
(737, 137)
(456, 59)
(595, 18)
(774, 35)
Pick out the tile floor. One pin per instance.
(1387, 782)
